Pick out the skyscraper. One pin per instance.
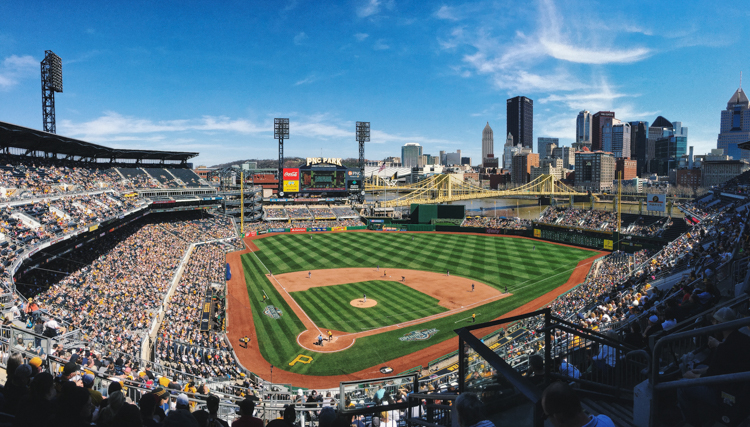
(544, 146)
(520, 120)
(488, 143)
(583, 129)
(411, 154)
(598, 121)
(616, 138)
(735, 126)
(638, 143)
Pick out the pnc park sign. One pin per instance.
(420, 335)
(323, 160)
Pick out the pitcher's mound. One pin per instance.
(359, 303)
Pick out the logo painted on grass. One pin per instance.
(301, 358)
(420, 335)
(272, 312)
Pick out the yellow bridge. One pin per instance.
(449, 188)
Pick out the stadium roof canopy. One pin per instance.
(32, 140)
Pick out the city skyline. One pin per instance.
(211, 78)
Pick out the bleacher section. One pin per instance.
(188, 177)
(322, 212)
(298, 212)
(273, 213)
(345, 212)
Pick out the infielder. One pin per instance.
(364, 298)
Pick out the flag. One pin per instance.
(382, 166)
(394, 177)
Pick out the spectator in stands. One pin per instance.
(115, 401)
(470, 411)
(634, 337)
(16, 388)
(212, 404)
(247, 407)
(563, 408)
(74, 407)
(730, 355)
(147, 405)
(37, 409)
(535, 373)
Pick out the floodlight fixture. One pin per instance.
(281, 128)
(51, 82)
(363, 131)
(281, 132)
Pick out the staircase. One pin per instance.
(620, 413)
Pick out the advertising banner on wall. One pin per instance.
(291, 180)
(656, 202)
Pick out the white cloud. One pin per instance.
(572, 53)
(113, 125)
(15, 68)
(380, 44)
(307, 80)
(299, 38)
(447, 13)
(361, 36)
(373, 7)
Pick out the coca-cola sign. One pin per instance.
(291, 174)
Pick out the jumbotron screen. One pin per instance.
(317, 180)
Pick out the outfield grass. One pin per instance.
(528, 268)
(330, 308)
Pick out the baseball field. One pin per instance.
(383, 296)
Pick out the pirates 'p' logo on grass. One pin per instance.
(420, 335)
(301, 358)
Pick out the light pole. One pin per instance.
(281, 132)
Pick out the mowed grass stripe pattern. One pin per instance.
(496, 261)
(330, 306)
(529, 269)
(278, 336)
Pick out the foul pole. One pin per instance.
(242, 203)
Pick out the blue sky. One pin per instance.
(211, 76)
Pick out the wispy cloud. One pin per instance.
(361, 36)
(15, 68)
(447, 13)
(307, 80)
(300, 38)
(380, 44)
(115, 125)
(373, 7)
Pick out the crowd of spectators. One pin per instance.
(322, 212)
(275, 212)
(24, 179)
(583, 218)
(298, 212)
(265, 226)
(111, 289)
(654, 229)
(493, 222)
(208, 227)
(181, 344)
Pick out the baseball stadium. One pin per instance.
(297, 288)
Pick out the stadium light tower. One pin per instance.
(51, 83)
(281, 132)
(363, 135)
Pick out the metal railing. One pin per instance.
(668, 363)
